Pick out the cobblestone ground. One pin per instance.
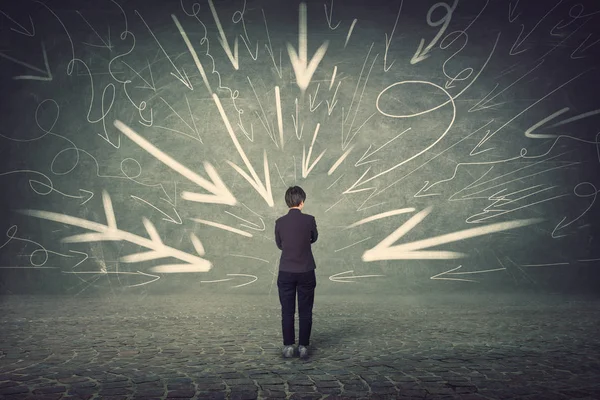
(166, 347)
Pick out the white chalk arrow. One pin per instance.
(349, 278)
(264, 189)
(233, 57)
(421, 54)
(255, 278)
(219, 193)
(24, 31)
(386, 250)
(180, 75)
(46, 72)
(306, 158)
(442, 276)
(156, 277)
(303, 69)
(176, 220)
(368, 154)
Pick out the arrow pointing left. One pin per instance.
(386, 250)
(46, 72)
(349, 278)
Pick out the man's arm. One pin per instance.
(277, 237)
(314, 233)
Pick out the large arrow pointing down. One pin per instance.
(386, 250)
(219, 193)
(303, 69)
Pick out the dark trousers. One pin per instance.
(290, 283)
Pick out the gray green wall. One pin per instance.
(443, 146)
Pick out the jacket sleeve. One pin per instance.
(314, 233)
(277, 237)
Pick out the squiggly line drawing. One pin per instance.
(233, 94)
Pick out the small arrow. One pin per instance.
(593, 193)
(511, 11)
(484, 103)
(233, 57)
(530, 132)
(582, 49)
(180, 75)
(85, 194)
(306, 158)
(47, 71)
(263, 189)
(229, 279)
(24, 31)
(513, 50)
(304, 69)
(349, 278)
(156, 277)
(425, 188)
(422, 54)
(449, 272)
(367, 154)
(311, 100)
(168, 217)
(386, 250)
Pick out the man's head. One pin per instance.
(295, 197)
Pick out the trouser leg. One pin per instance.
(287, 297)
(306, 297)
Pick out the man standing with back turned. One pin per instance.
(294, 234)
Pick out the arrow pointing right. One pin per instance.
(47, 71)
(24, 31)
(219, 193)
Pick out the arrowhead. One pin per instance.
(365, 156)
(24, 31)
(419, 55)
(183, 78)
(424, 189)
(450, 272)
(156, 277)
(86, 195)
(178, 221)
(359, 182)
(478, 145)
(219, 192)
(107, 139)
(233, 57)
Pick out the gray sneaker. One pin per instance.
(303, 351)
(288, 351)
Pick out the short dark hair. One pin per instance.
(294, 195)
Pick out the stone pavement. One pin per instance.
(228, 347)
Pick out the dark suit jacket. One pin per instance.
(294, 234)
